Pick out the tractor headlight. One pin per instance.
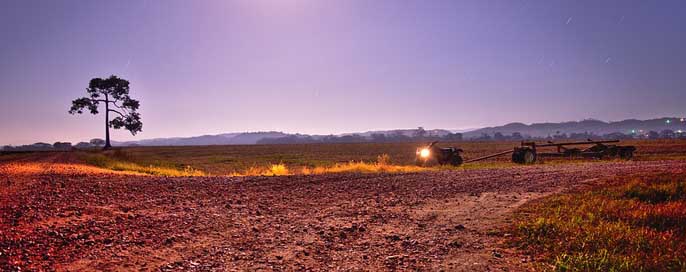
(424, 153)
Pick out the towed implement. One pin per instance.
(529, 152)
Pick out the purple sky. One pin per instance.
(317, 66)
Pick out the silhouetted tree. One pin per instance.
(378, 138)
(114, 92)
(498, 136)
(667, 134)
(517, 136)
(83, 145)
(559, 136)
(420, 133)
(453, 137)
(484, 137)
(617, 136)
(97, 142)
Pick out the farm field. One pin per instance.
(59, 212)
(342, 136)
(227, 160)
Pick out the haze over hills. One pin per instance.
(593, 126)
(536, 130)
(219, 139)
(256, 137)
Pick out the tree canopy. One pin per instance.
(114, 93)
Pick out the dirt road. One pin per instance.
(71, 217)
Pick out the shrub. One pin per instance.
(383, 159)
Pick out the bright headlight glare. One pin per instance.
(424, 153)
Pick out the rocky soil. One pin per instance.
(58, 215)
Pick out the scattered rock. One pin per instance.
(393, 237)
(309, 217)
(455, 244)
(497, 254)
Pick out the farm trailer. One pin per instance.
(528, 152)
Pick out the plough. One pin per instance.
(528, 152)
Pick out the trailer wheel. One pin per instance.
(529, 156)
(517, 156)
(626, 154)
(524, 156)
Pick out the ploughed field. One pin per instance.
(56, 213)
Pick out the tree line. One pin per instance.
(420, 136)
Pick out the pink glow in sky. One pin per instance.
(207, 67)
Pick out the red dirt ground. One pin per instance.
(57, 215)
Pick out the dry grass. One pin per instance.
(106, 162)
(33, 168)
(382, 165)
(639, 225)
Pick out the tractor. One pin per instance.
(432, 154)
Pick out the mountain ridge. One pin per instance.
(537, 130)
(594, 126)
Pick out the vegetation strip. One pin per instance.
(637, 225)
(117, 162)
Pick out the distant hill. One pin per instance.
(220, 139)
(405, 132)
(591, 126)
(248, 138)
(536, 130)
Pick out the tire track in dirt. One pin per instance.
(67, 220)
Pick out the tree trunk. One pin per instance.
(107, 124)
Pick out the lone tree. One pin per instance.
(114, 92)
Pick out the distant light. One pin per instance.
(668, 121)
(424, 153)
(633, 131)
(682, 119)
(679, 131)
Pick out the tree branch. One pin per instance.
(103, 100)
(115, 104)
(115, 111)
(120, 107)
